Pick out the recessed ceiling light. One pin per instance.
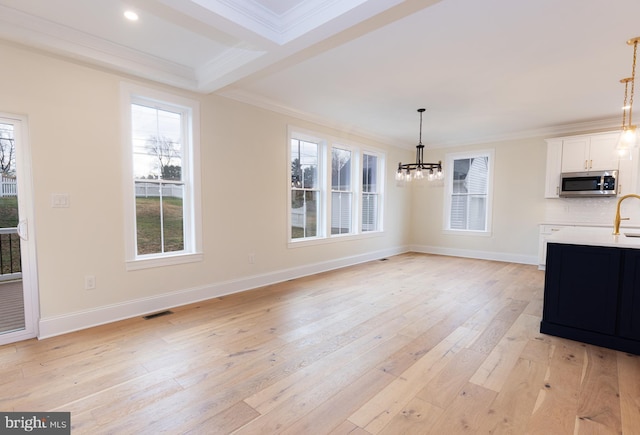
(131, 15)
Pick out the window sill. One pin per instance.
(165, 260)
(467, 233)
(333, 239)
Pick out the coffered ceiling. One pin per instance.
(484, 69)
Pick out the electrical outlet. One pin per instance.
(252, 258)
(60, 200)
(89, 282)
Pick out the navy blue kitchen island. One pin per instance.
(592, 288)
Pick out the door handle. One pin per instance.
(23, 230)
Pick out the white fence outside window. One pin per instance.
(148, 190)
(8, 186)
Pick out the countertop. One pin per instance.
(596, 237)
(586, 224)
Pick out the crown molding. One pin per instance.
(268, 104)
(219, 72)
(301, 19)
(607, 124)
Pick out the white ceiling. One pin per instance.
(484, 69)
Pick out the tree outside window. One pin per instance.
(159, 188)
(335, 189)
(304, 189)
(9, 241)
(162, 174)
(7, 150)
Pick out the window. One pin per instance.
(163, 219)
(341, 193)
(305, 188)
(370, 193)
(328, 199)
(468, 187)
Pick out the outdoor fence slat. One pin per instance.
(8, 186)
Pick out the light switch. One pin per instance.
(59, 200)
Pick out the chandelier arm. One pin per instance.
(412, 166)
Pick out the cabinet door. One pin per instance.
(602, 152)
(554, 162)
(575, 154)
(581, 287)
(628, 174)
(545, 231)
(630, 296)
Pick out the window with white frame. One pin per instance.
(371, 192)
(163, 211)
(327, 196)
(341, 191)
(468, 187)
(305, 205)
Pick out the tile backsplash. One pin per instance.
(596, 211)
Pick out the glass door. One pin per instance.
(18, 314)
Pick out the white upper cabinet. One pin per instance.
(575, 155)
(628, 174)
(554, 161)
(590, 153)
(596, 152)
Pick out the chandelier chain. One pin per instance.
(624, 106)
(420, 136)
(633, 79)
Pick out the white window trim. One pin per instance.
(322, 174)
(380, 168)
(448, 189)
(129, 93)
(327, 143)
(355, 190)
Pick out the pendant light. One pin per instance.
(433, 170)
(629, 134)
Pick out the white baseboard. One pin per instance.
(482, 255)
(62, 324)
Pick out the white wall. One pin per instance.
(74, 121)
(518, 206)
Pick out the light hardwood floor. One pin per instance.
(416, 344)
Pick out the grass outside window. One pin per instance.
(150, 227)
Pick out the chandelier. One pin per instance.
(433, 170)
(629, 135)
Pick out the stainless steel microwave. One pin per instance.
(589, 184)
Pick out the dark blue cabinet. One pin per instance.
(630, 296)
(592, 294)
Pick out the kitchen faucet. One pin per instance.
(617, 219)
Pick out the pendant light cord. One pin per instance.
(633, 80)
